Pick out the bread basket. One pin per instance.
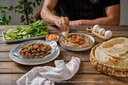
(107, 69)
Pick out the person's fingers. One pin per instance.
(75, 23)
(64, 23)
(61, 28)
(67, 21)
(58, 22)
(71, 23)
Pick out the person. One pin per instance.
(80, 12)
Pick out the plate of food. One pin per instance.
(46, 60)
(34, 51)
(33, 31)
(77, 42)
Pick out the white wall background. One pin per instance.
(124, 12)
(16, 16)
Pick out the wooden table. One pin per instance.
(11, 71)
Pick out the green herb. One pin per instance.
(38, 28)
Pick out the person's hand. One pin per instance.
(75, 23)
(63, 24)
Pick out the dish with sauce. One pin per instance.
(77, 42)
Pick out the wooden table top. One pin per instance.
(11, 71)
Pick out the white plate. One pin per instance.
(77, 49)
(46, 60)
(19, 40)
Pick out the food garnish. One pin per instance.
(52, 37)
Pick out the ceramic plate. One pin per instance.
(75, 48)
(15, 51)
(42, 61)
(46, 60)
(20, 40)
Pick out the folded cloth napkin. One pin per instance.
(49, 75)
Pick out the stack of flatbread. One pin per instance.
(112, 55)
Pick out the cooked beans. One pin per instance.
(35, 50)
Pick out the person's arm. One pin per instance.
(48, 16)
(46, 12)
(112, 18)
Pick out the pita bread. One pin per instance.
(101, 56)
(65, 34)
(113, 52)
(117, 47)
(106, 59)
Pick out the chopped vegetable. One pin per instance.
(52, 37)
(33, 30)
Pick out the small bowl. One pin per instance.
(52, 37)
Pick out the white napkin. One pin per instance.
(48, 75)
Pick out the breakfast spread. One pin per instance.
(112, 55)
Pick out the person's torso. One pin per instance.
(81, 9)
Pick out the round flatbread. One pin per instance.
(113, 52)
(117, 47)
(101, 56)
